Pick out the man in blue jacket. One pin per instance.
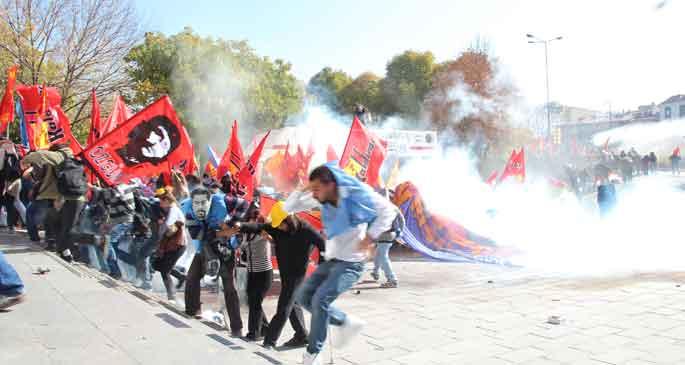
(353, 217)
(205, 213)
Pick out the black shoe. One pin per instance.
(270, 346)
(237, 333)
(251, 337)
(296, 342)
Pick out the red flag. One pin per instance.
(516, 166)
(151, 143)
(59, 130)
(120, 114)
(493, 178)
(331, 155)
(232, 160)
(7, 104)
(32, 98)
(363, 154)
(95, 122)
(676, 151)
(246, 176)
(286, 177)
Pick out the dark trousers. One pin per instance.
(37, 216)
(258, 284)
(165, 266)
(7, 201)
(68, 215)
(287, 309)
(197, 270)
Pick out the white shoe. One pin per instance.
(310, 359)
(341, 336)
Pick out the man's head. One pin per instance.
(201, 201)
(323, 185)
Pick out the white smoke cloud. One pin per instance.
(558, 233)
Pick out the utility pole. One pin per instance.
(533, 39)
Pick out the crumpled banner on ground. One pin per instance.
(440, 238)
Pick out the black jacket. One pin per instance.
(292, 248)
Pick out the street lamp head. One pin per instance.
(559, 38)
(530, 35)
(532, 42)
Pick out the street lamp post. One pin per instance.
(534, 39)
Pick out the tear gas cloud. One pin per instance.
(558, 233)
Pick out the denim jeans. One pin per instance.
(317, 294)
(36, 215)
(10, 283)
(382, 261)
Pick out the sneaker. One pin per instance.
(375, 276)
(310, 359)
(296, 342)
(269, 346)
(343, 335)
(8, 301)
(66, 256)
(389, 285)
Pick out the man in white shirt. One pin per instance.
(353, 216)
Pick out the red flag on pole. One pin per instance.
(246, 176)
(364, 154)
(232, 160)
(331, 155)
(516, 166)
(7, 104)
(120, 114)
(151, 143)
(59, 130)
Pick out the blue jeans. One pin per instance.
(36, 215)
(317, 294)
(382, 261)
(10, 283)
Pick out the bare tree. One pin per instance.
(74, 45)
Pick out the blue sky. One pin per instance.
(615, 52)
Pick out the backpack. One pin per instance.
(71, 177)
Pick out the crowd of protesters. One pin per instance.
(188, 227)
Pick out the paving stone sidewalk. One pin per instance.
(441, 314)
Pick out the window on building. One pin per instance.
(681, 114)
(667, 112)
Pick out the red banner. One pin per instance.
(7, 104)
(32, 100)
(331, 155)
(246, 176)
(151, 143)
(516, 166)
(232, 160)
(364, 154)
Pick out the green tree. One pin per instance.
(408, 79)
(365, 89)
(213, 81)
(326, 87)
